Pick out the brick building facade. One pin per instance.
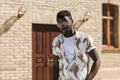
(16, 44)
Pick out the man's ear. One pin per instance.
(72, 20)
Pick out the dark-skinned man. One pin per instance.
(73, 49)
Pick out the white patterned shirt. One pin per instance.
(67, 46)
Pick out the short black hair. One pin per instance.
(64, 13)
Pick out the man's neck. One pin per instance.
(72, 33)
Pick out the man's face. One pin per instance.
(65, 25)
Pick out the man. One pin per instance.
(8, 23)
(74, 49)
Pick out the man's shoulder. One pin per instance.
(82, 35)
(57, 37)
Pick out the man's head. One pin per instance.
(65, 22)
(64, 13)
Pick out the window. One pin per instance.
(110, 25)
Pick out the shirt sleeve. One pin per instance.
(89, 44)
(54, 49)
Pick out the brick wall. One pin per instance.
(16, 45)
(110, 68)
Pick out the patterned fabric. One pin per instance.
(76, 69)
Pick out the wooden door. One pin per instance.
(44, 63)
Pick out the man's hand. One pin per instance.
(21, 12)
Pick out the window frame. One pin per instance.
(115, 20)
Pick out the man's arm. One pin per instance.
(96, 64)
(8, 23)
